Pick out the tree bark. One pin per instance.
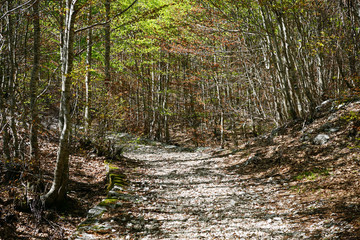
(34, 148)
(88, 76)
(57, 193)
(12, 77)
(107, 42)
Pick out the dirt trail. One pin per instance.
(189, 195)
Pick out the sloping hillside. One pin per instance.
(318, 162)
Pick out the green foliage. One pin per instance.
(138, 141)
(351, 116)
(151, 23)
(313, 174)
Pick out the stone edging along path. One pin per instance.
(94, 225)
(176, 194)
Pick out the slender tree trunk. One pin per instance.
(165, 103)
(277, 58)
(12, 78)
(5, 88)
(107, 42)
(34, 148)
(88, 76)
(57, 193)
(152, 104)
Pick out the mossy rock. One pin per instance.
(108, 202)
(98, 227)
(87, 224)
(96, 211)
(115, 177)
(113, 168)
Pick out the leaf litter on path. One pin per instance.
(191, 195)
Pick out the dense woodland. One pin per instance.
(208, 72)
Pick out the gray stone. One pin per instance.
(341, 106)
(137, 227)
(103, 226)
(96, 211)
(122, 196)
(170, 147)
(335, 129)
(118, 204)
(321, 139)
(325, 127)
(113, 194)
(85, 236)
(304, 138)
(323, 104)
(96, 227)
(87, 225)
(117, 188)
(201, 149)
(332, 117)
(152, 227)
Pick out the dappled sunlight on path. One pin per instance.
(191, 196)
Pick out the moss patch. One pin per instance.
(108, 201)
(115, 176)
(313, 174)
(117, 179)
(112, 167)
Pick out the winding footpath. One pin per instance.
(190, 195)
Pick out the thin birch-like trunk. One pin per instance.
(88, 75)
(58, 191)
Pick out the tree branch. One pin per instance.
(16, 8)
(106, 22)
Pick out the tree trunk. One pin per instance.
(34, 148)
(107, 43)
(88, 76)
(57, 193)
(12, 77)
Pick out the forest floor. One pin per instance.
(279, 186)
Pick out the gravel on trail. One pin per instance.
(179, 194)
(190, 195)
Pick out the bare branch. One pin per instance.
(16, 8)
(48, 85)
(106, 22)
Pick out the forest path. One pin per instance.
(190, 195)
